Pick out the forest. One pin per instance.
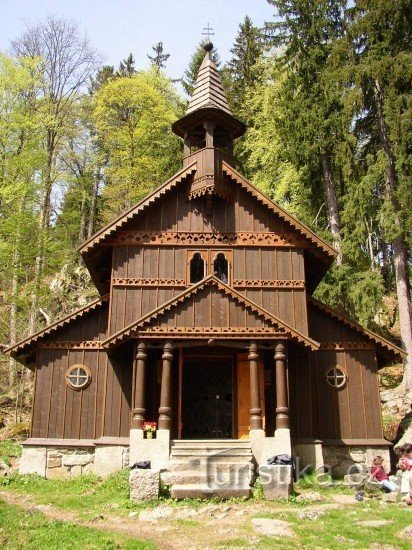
(325, 89)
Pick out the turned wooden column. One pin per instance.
(255, 410)
(165, 409)
(282, 409)
(139, 411)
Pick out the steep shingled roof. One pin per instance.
(208, 91)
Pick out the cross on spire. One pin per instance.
(208, 32)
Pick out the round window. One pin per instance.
(78, 377)
(336, 378)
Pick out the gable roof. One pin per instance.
(303, 229)
(23, 345)
(137, 208)
(289, 331)
(383, 343)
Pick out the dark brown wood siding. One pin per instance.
(250, 264)
(101, 409)
(318, 411)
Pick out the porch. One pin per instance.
(231, 391)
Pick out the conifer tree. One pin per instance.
(241, 69)
(127, 66)
(159, 58)
(192, 70)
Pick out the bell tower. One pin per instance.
(208, 130)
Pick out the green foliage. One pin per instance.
(133, 118)
(9, 450)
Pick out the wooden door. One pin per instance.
(243, 395)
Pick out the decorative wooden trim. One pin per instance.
(289, 332)
(356, 326)
(141, 282)
(307, 233)
(61, 344)
(245, 283)
(136, 209)
(19, 346)
(205, 333)
(345, 346)
(208, 238)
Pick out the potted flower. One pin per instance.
(149, 429)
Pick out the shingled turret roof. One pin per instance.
(208, 91)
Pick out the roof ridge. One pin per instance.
(125, 216)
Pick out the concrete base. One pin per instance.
(265, 447)
(144, 485)
(277, 481)
(156, 450)
(309, 457)
(33, 461)
(109, 459)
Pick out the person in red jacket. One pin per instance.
(378, 473)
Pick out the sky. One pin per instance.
(119, 27)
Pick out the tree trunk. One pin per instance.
(44, 221)
(334, 217)
(399, 248)
(93, 204)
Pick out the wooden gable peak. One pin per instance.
(270, 327)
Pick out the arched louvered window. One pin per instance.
(221, 268)
(197, 268)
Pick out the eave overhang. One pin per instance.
(387, 352)
(23, 351)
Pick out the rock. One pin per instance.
(390, 497)
(272, 527)
(406, 533)
(54, 462)
(133, 514)
(76, 460)
(151, 516)
(186, 513)
(144, 485)
(374, 523)
(4, 468)
(378, 546)
(344, 499)
(312, 496)
(222, 515)
(312, 515)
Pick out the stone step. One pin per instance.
(223, 465)
(242, 475)
(204, 491)
(210, 443)
(210, 452)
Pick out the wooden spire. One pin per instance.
(208, 91)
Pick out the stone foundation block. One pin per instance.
(75, 459)
(33, 461)
(109, 459)
(276, 480)
(144, 485)
(53, 462)
(58, 473)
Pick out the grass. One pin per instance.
(88, 496)
(8, 450)
(32, 530)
